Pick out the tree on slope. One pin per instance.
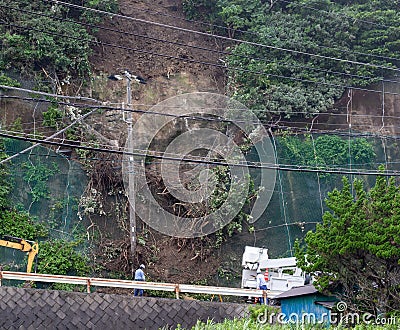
(298, 72)
(355, 251)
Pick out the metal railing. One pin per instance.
(106, 282)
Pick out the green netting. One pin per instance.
(296, 206)
(48, 186)
(298, 200)
(14, 259)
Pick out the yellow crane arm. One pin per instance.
(24, 246)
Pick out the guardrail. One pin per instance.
(105, 282)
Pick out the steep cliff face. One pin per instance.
(161, 56)
(168, 59)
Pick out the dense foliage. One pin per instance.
(61, 257)
(271, 79)
(355, 251)
(325, 151)
(48, 38)
(5, 185)
(19, 224)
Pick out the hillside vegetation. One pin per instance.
(47, 40)
(302, 54)
(297, 59)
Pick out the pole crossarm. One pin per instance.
(105, 282)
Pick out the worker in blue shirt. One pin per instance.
(261, 283)
(139, 276)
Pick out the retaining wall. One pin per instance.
(47, 309)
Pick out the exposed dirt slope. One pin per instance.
(170, 73)
(162, 56)
(158, 53)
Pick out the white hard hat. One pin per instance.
(142, 266)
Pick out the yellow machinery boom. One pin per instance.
(24, 246)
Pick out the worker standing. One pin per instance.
(139, 276)
(261, 283)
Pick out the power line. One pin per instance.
(287, 130)
(147, 153)
(337, 14)
(276, 125)
(202, 48)
(212, 64)
(57, 154)
(83, 98)
(210, 119)
(252, 33)
(221, 37)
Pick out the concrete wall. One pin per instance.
(46, 309)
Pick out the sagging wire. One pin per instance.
(318, 175)
(383, 122)
(281, 195)
(349, 113)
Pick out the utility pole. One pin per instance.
(131, 168)
(131, 165)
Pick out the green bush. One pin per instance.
(271, 80)
(19, 224)
(45, 37)
(53, 116)
(61, 257)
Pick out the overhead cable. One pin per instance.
(111, 106)
(220, 37)
(202, 48)
(212, 64)
(148, 153)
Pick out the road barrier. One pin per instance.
(106, 282)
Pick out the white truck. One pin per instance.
(281, 274)
(251, 260)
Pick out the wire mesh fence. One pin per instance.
(50, 187)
